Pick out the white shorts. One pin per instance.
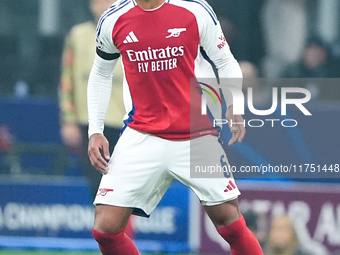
(143, 166)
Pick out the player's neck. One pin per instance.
(149, 4)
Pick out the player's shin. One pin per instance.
(115, 243)
(241, 240)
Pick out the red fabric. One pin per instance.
(167, 105)
(241, 240)
(115, 243)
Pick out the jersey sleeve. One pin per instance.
(216, 47)
(99, 93)
(100, 79)
(104, 29)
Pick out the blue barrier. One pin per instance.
(31, 120)
(57, 213)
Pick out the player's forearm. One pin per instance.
(98, 94)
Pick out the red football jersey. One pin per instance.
(161, 51)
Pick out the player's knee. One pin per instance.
(100, 227)
(110, 219)
(226, 220)
(108, 238)
(104, 225)
(224, 214)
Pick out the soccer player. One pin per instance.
(160, 43)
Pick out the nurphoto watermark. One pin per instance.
(211, 90)
(285, 123)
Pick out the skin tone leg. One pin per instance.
(111, 219)
(224, 214)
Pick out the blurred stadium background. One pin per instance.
(45, 202)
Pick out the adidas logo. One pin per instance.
(131, 38)
(231, 186)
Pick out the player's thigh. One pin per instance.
(224, 214)
(111, 219)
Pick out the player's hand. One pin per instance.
(97, 144)
(238, 130)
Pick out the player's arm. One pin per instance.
(98, 96)
(218, 50)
